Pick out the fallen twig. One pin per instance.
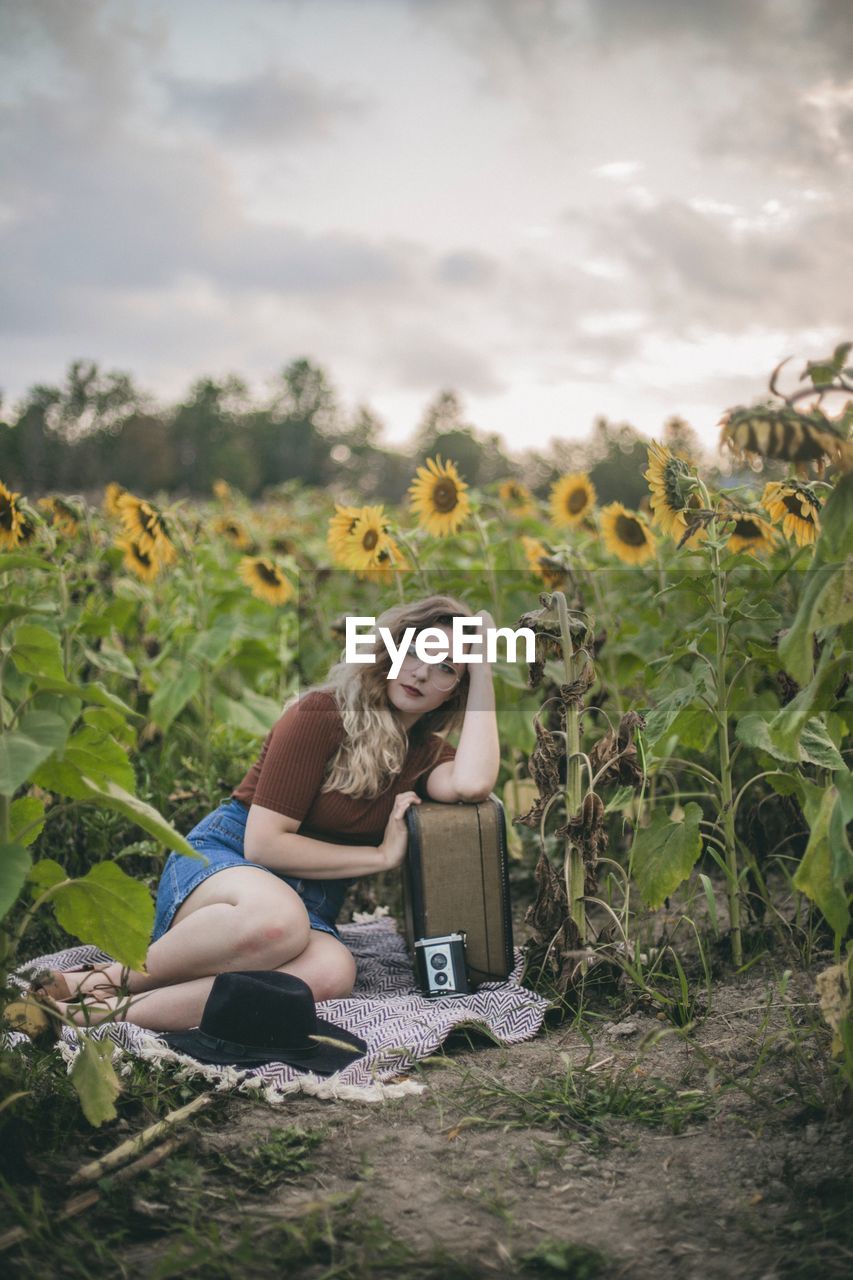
(126, 1150)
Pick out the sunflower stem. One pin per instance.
(490, 564)
(722, 715)
(573, 865)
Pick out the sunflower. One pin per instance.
(517, 498)
(672, 494)
(12, 519)
(367, 540)
(626, 534)
(266, 580)
(147, 526)
(144, 564)
(795, 506)
(341, 526)
(65, 518)
(389, 560)
(572, 499)
(438, 497)
(112, 493)
(222, 490)
(752, 533)
(784, 432)
(541, 561)
(234, 532)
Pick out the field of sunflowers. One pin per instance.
(675, 760)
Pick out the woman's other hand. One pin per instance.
(395, 841)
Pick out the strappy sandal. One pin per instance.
(52, 984)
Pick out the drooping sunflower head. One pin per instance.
(516, 498)
(542, 562)
(143, 564)
(673, 495)
(796, 507)
(64, 516)
(626, 534)
(147, 526)
(112, 493)
(787, 434)
(10, 519)
(266, 580)
(571, 500)
(752, 533)
(438, 497)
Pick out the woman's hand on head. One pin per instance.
(395, 841)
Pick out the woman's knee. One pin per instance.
(268, 936)
(334, 977)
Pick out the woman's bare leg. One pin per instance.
(239, 918)
(325, 964)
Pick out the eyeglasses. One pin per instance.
(442, 674)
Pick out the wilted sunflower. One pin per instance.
(672, 495)
(144, 564)
(540, 560)
(112, 493)
(752, 533)
(626, 534)
(11, 519)
(783, 432)
(266, 580)
(438, 497)
(795, 506)
(517, 498)
(64, 517)
(234, 532)
(341, 526)
(572, 498)
(147, 526)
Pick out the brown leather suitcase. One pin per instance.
(456, 880)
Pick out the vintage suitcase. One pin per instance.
(456, 880)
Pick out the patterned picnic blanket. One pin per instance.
(399, 1025)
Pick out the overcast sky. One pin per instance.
(559, 208)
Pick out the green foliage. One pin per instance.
(665, 852)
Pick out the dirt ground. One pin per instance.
(751, 1185)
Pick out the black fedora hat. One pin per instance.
(259, 1016)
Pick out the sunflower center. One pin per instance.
(576, 501)
(445, 496)
(747, 529)
(268, 573)
(7, 513)
(794, 504)
(370, 539)
(630, 531)
(141, 556)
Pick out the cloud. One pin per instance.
(267, 108)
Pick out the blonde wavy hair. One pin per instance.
(375, 743)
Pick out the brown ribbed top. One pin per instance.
(289, 772)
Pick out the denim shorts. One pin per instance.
(219, 837)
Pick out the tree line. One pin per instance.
(100, 426)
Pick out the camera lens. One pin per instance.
(439, 960)
(441, 979)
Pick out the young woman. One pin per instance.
(323, 805)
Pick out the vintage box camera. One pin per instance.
(440, 966)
